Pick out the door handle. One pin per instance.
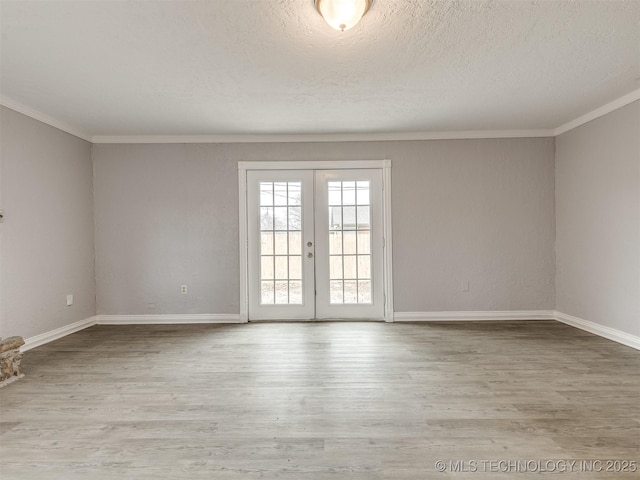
(309, 244)
(309, 255)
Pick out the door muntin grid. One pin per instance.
(350, 276)
(281, 243)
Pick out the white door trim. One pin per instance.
(244, 245)
(387, 249)
(314, 165)
(385, 165)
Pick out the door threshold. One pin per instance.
(319, 320)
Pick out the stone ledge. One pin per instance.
(10, 358)
(11, 343)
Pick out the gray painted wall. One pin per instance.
(598, 220)
(47, 237)
(477, 210)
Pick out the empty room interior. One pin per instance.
(319, 239)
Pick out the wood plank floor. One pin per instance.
(319, 401)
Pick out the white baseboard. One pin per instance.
(474, 316)
(613, 334)
(36, 341)
(168, 319)
(609, 333)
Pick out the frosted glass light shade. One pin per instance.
(342, 14)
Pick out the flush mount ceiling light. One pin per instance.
(342, 14)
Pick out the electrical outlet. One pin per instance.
(69, 300)
(183, 289)
(465, 285)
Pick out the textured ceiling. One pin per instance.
(274, 66)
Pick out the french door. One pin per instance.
(315, 244)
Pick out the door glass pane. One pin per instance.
(335, 193)
(364, 221)
(266, 194)
(267, 267)
(280, 193)
(295, 243)
(364, 266)
(350, 291)
(348, 218)
(335, 267)
(350, 267)
(295, 218)
(349, 242)
(336, 291)
(335, 243)
(295, 267)
(364, 291)
(335, 218)
(266, 218)
(266, 296)
(348, 193)
(364, 241)
(282, 293)
(281, 243)
(362, 195)
(349, 246)
(282, 268)
(294, 193)
(267, 243)
(295, 292)
(280, 218)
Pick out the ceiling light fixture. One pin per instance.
(342, 14)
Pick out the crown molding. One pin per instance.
(598, 112)
(321, 137)
(44, 118)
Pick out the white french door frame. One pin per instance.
(384, 165)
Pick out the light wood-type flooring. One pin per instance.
(319, 401)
